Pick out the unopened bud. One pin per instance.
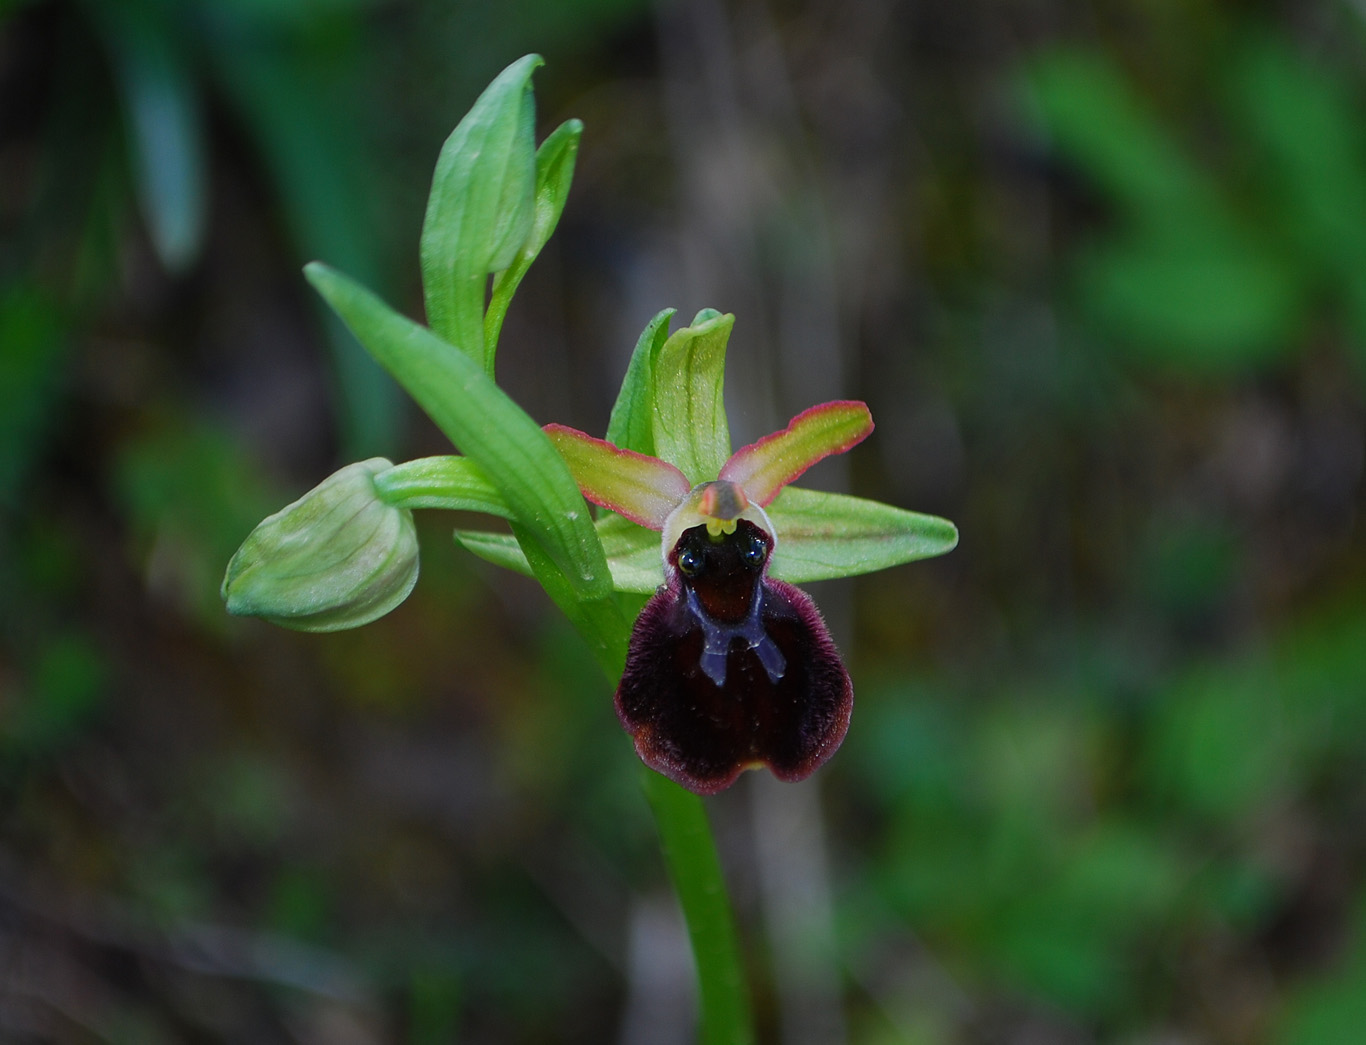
(336, 558)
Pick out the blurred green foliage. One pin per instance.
(1102, 282)
(1221, 251)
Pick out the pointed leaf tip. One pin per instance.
(554, 174)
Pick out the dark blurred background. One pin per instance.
(1098, 268)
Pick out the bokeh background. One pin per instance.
(1098, 268)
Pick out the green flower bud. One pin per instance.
(336, 558)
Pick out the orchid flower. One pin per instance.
(728, 668)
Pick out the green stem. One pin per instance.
(684, 832)
(695, 868)
(450, 482)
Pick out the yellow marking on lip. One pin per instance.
(717, 527)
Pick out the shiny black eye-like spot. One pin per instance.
(728, 669)
(755, 551)
(689, 561)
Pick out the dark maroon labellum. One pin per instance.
(729, 669)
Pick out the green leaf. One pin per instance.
(1206, 297)
(493, 431)
(501, 549)
(554, 172)
(821, 536)
(827, 535)
(1302, 114)
(162, 107)
(481, 207)
(632, 423)
(633, 553)
(689, 419)
(1096, 119)
(449, 482)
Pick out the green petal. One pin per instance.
(554, 173)
(765, 467)
(827, 535)
(476, 415)
(481, 206)
(690, 428)
(644, 489)
(633, 553)
(632, 423)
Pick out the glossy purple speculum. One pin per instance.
(728, 668)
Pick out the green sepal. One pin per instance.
(822, 536)
(632, 423)
(481, 207)
(449, 482)
(633, 553)
(689, 418)
(554, 173)
(482, 421)
(336, 558)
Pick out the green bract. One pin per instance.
(554, 172)
(336, 558)
(481, 207)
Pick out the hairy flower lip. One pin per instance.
(709, 692)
